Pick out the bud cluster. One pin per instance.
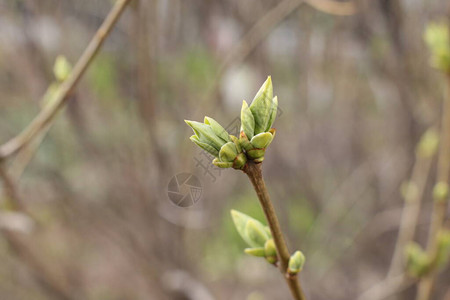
(256, 132)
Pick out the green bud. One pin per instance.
(270, 251)
(256, 154)
(440, 192)
(228, 152)
(417, 261)
(259, 252)
(235, 140)
(205, 134)
(222, 164)
(240, 161)
(261, 140)
(240, 222)
(261, 106)
(247, 120)
(437, 38)
(273, 113)
(443, 252)
(296, 263)
(61, 68)
(428, 144)
(204, 146)
(256, 233)
(244, 142)
(218, 129)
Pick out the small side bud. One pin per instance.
(270, 251)
(417, 261)
(409, 191)
(428, 144)
(296, 263)
(437, 37)
(443, 253)
(61, 68)
(440, 192)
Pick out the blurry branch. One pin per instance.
(334, 7)
(45, 275)
(413, 193)
(264, 26)
(9, 191)
(387, 287)
(440, 205)
(48, 113)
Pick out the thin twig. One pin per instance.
(334, 7)
(439, 206)
(264, 26)
(387, 288)
(48, 112)
(254, 173)
(411, 210)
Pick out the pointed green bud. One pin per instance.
(428, 144)
(261, 106)
(204, 146)
(240, 222)
(259, 252)
(61, 68)
(205, 134)
(270, 251)
(273, 113)
(262, 140)
(228, 152)
(296, 263)
(247, 120)
(222, 164)
(440, 192)
(218, 129)
(256, 233)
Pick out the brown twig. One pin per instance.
(411, 209)
(48, 112)
(254, 173)
(439, 206)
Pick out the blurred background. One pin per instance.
(355, 92)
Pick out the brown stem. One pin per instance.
(254, 173)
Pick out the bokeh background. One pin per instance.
(356, 92)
